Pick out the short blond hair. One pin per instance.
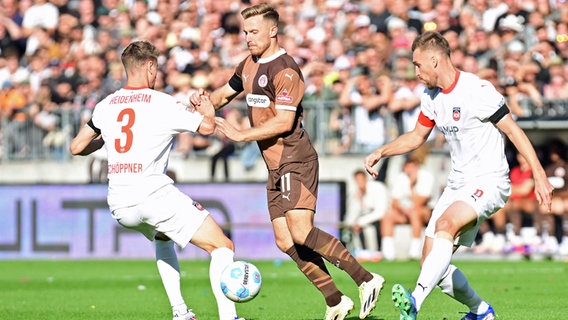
(137, 53)
(266, 10)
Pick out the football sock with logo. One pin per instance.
(220, 259)
(335, 252)
(168, 267)
(313, 267)
(455, 284)
(433, 268)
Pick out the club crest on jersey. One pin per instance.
(198, 205)
(262, 81)
(456, 113)
(284, 97)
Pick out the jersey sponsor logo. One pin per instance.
(288, 75)
(257, 100)
(284, 97)
(198, 205)
(456, 113)
(447, 130)
(262, 81)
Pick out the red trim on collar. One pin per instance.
(450, 88)
(134, 88)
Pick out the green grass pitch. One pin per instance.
(131, 289)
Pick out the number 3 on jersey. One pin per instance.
(123, 144)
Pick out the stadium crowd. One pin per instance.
(58, 58)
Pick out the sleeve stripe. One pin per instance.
(425, 121)
(499, 114)
(92, 125)
(236, 83)
(284, 107)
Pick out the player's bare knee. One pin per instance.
(283, 245)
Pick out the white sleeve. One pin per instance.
(182, 118)
(490, 100)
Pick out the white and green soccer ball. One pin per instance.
(241, 281)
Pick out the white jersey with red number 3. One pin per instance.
(464, 114)
(138, 127)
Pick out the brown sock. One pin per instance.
(335, 252)
(313, 267)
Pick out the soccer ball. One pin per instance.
(241, 281)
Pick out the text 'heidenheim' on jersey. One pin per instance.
(139, 97)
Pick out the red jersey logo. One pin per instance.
(456, 114)
(284, 97)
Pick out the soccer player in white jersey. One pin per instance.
(137, 125)
(472, 115)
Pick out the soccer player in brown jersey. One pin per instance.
(274, 86)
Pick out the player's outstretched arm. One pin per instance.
(205, 107)
(542, 187)
(219, 98)
(403, 144)
(273, 127)
(86, 142)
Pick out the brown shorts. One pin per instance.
(292, 186)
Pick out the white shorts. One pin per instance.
(485, 197)
(168, 211)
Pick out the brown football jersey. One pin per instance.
(270, 84)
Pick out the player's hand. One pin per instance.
(543, 190)
(205, 107)
(228, 130)
(195, 98)
(370, 161)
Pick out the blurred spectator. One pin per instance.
(400, 9)
(378, 14)
(368, 203)
(228, 147)
(367, 103)
(340, 124)
(72, 42)
(14, 103)
(515, 16)
(10, 69)
(10, 30)
(521, 211)
(557, 172)
(184, 85)
(411, 192)
(405, 104)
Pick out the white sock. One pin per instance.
(168, 267)
(221, 258)
(455, 284)
(414, 250)
(434, 266)
(387, 244)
